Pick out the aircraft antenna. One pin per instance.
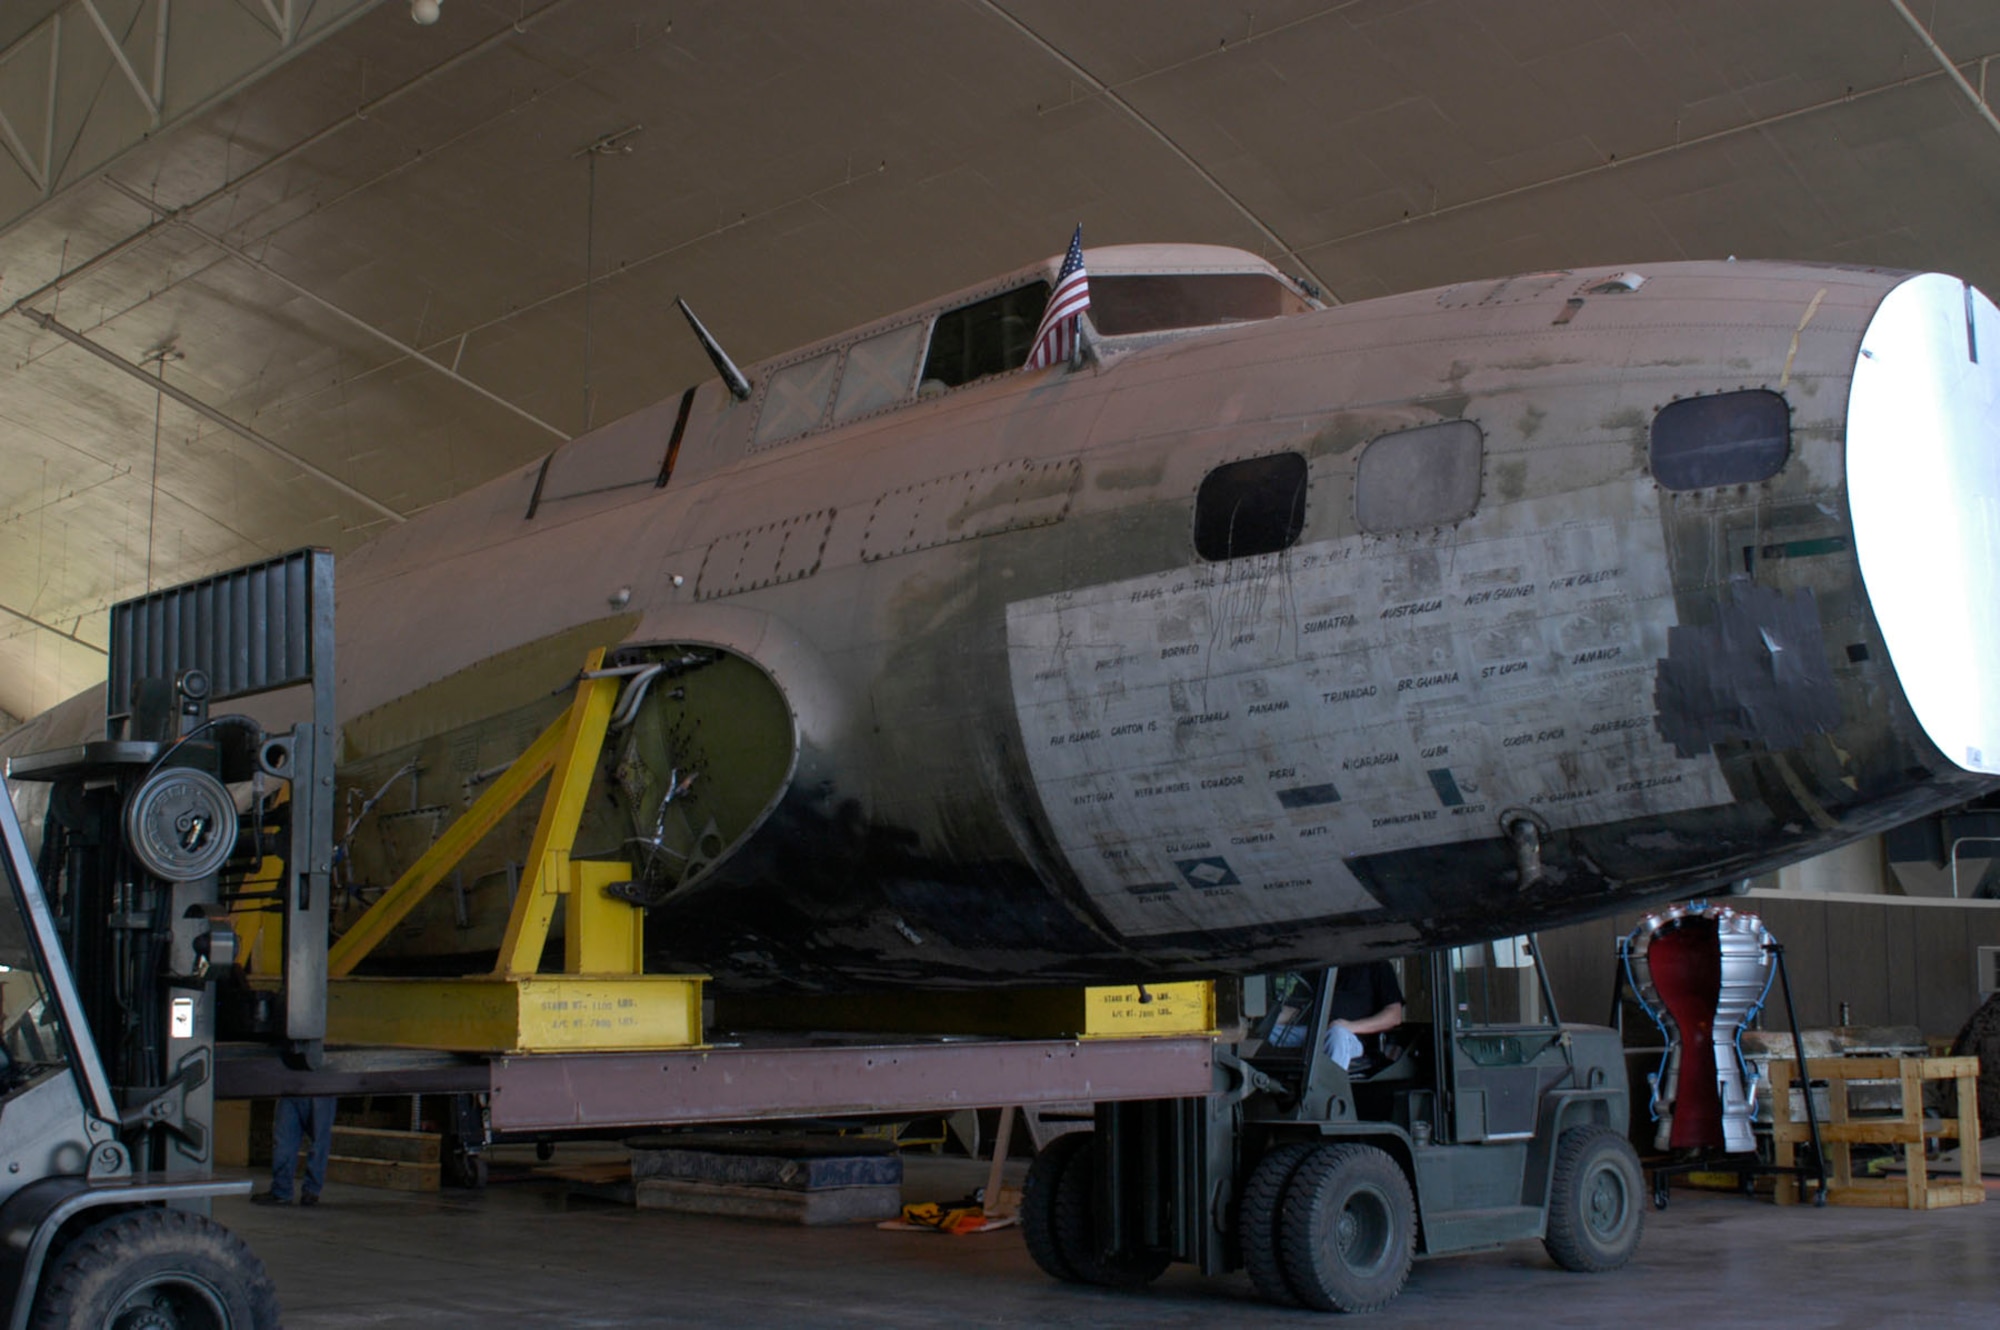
(739, 387)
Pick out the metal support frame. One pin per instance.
(601, 1000)
(80, 93)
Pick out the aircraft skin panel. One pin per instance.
(1211, 745)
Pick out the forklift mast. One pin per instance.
(107, 1018)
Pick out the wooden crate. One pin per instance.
(373, 1157)
(1842, 1131)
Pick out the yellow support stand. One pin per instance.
(601, 1001)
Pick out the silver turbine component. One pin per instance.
(1745, 974)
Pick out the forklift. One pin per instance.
(1485, 1121)
(115, 940)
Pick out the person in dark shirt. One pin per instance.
(1367, 1003)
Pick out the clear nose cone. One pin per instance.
(1923, 478)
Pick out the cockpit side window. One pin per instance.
(1728, 439)
(1256, 506)
(1121, 305)
(990, 336)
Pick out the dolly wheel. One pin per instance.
(156, 1269)
(1257, 1220)
(1348, 1227)
(1595, 1211)
(1038, 1204)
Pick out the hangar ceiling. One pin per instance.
(390, 266)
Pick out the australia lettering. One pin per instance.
(1414, 607)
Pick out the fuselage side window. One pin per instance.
(1121, 305)
(1423, 477)
(795, 399)
(1729, 439)
(989, 336)
(1256, 506)
(881, 371)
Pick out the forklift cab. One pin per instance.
(1482, 1120)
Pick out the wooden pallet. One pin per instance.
(396, 1160)
(1842, 1130)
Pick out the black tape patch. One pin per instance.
(1759, 672)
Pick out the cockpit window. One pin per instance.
(990, 336)
(1123, 305)
(1256, 506)
(1728, 439)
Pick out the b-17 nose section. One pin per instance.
(1923, 474)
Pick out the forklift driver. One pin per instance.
(1367, 1002)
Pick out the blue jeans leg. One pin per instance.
(287, 1125)
(320, 1122)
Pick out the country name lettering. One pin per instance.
(1288, 883)
(1504, 669)
(1418, 683)
(1254, 838)
(1562, 796)
(1350, 694)
(1114, 662)
(1435, 750)
(1129, 727)
(1306, 833)
(1600, 653)
(1463, 809)
(1281, 773)
(1202, 718)
(1266, 708)
(1526, 737)
(1412, 607)
(1372, 760)
(1327, 624)
(1628, 723)
(1501, 593)
(1399, 819)
(1650, 783)
(1093, 797)
(1584, 579)
(1188, 846)
(1242, 639)
(1152, 791)
(1220, 782)
(1186, 649)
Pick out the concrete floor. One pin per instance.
(531, 1254)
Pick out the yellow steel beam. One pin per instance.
(546, 1013)
(547, 879)
(429, 870)
(601, 934)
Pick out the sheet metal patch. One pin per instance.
(1211, 744)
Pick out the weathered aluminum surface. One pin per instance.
(579, 1091)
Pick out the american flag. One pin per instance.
(1055, 340)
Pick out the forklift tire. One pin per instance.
(1348, 1228)
(1038, 1204)
(1596, 1205)
(1257, 1220)
(1074, 1220)
(156, 1268)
